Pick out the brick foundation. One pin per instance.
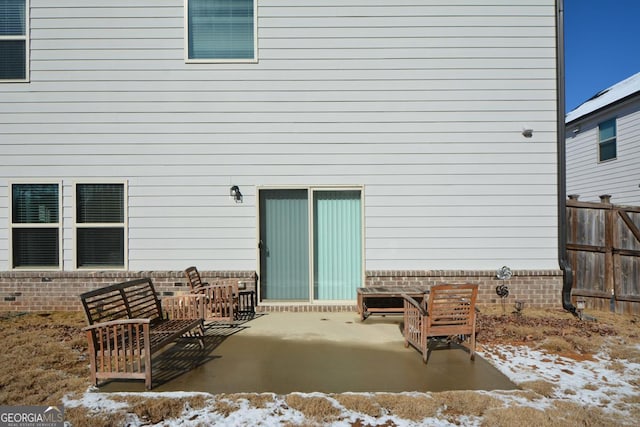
(58, 291)
(537, 288)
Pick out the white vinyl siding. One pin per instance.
(419, 102)
(621, 178)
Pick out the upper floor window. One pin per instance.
(14, 41)
(36, 225)
(221, 30)
(100, 225)
(607, 140)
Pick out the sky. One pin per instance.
(602, 46)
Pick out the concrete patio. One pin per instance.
(331, 352)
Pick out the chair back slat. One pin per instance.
(193, 278)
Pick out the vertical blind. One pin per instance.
(221, 29)
(13, 53)
(35, 225)
(284, 231)
(337, 244)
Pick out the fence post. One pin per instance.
(609, 224)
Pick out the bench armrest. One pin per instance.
(103, 325)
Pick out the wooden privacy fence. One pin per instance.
(603, 247)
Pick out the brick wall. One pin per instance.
(58, 291)
(537, 288)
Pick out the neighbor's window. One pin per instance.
(14, 42)
(100, 225)
(607, 140)
(35, 226)
(221, 30)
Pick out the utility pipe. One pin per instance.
(565, 265)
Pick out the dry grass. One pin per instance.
(356, 403)
(44, 357)
(541, 387)
(566, 414)
(318, 409)
(255, 400)
(153, 410)
(82, 417)
(409, 407)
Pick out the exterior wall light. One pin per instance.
(527, 132)
(235, 194)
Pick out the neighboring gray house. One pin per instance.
(311, 146)
(603, 145)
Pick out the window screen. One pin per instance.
(607, 140)
(13, 39)
(220, 29)
(35, 225)
(100, 230)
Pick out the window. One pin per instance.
(221, 30)
(100, 225)
(607, 140)
(35, 226)
(14, 43)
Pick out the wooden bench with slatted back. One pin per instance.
(449, 312)
(128, 324)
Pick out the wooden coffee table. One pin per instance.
(386, 299)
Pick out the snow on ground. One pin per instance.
(600, 382)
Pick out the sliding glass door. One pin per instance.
(310, 244)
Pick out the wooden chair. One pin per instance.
(195, 282)
(448, 312)
(219, 300)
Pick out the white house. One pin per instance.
(603, 145)
(313, 146)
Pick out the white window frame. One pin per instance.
(26, 37)
(220, 60)
(124, 225)
(58, 225)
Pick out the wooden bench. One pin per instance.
(449, 312)
(128, 324)
(386, 299)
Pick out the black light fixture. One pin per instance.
(235, 194)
